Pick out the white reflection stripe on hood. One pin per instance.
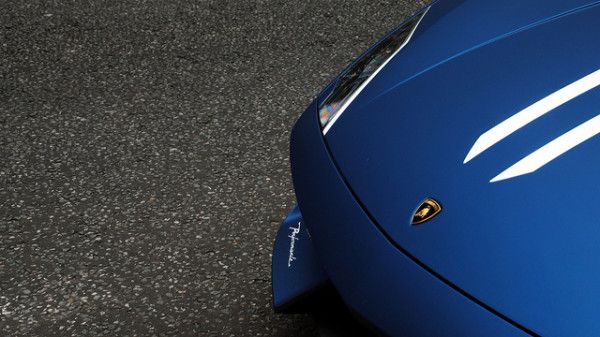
(532, 112)
(552, 150)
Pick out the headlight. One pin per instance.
(355, 78)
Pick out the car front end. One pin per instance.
(492, 121)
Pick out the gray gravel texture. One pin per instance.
(144, 158)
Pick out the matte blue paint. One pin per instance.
(453, 28)
(304, 274)
(373, 277)
(517, 254)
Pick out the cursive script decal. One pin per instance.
(293, 238)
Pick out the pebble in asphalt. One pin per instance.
(144, 157)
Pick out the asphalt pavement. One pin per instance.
(144, 158)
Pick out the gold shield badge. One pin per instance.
(426, 211)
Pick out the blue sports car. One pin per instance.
(448, 181)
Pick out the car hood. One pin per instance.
(526, 246)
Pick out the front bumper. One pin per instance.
(373, 277)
